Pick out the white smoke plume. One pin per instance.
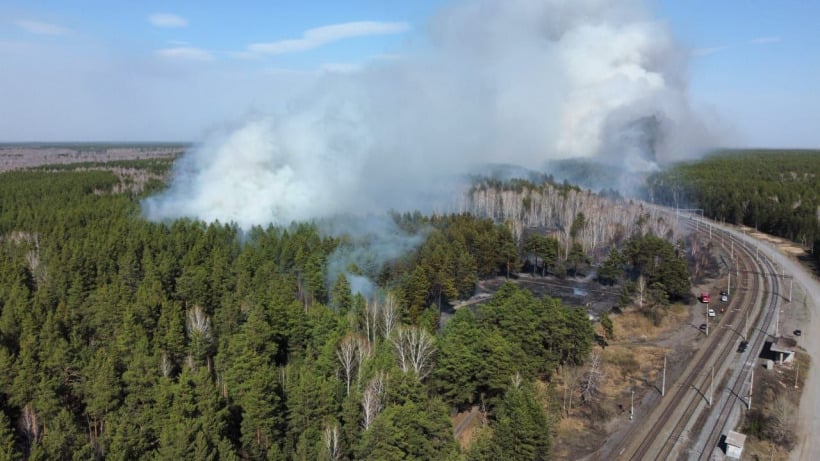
(497, 81)
(371, 242)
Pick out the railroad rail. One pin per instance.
(671, 428)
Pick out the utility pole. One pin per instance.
(712, 387)
(791, 284)
(632, 403)
(663, 381)
(729, 284)
(776, 321)
(732, 251)
(796, 374)
(751, 383)
(746, 326)
(707, 319)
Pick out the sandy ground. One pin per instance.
(801, 313)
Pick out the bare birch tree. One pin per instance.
(372, 398)
(589, 388)
(31, 425)
(363, 352)
(198, 326)
(330, 439)
(641, 288)
(389, 314)
(352, 352)
(348, 357)
(415, 350)
(371, 320)
(165, 366)
(571, 376)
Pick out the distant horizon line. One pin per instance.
(133, 143)
(96, 143)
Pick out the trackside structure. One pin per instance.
(734, 444)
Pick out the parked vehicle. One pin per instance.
(724, 297)
(711, 312)
(704, 297)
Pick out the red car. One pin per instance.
(704, 297)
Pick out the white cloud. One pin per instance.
(167, 20)
(762, 40)
(42, 28)
(186, 52)
(313, 38)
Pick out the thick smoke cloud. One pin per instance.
(508, 81)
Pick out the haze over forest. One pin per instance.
(514, 82)
(456, 85)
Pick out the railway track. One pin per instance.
(671, 428)
(738, 383)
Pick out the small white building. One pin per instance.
(734, 444)
(783, 347)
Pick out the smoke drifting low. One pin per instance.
(513, 81)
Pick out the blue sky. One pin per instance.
(150, 70)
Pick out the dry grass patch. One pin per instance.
(569, 425)
(627, 366)
(569, 434)
(465, 439)
(633, 326)
(760, 450)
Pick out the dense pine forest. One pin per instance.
(777, 192)
(122, 338)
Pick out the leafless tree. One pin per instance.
(781, 424)
(353, 350)
(571, 375)
(198, 326)
(31, 425)
(389, 314)
(371, 320)
(641, 288)
(372, 398)
(198, 323)
(165, 366)
(609, 221)
(589, 388)
(516, 380)
(346, 353)
(363, 352)
(330, 438)
(415, 350)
